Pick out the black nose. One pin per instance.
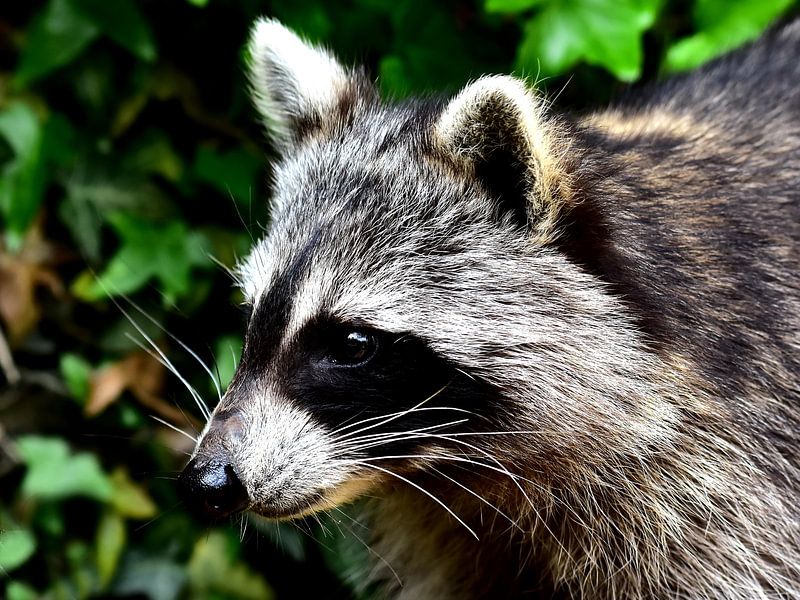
(212, 489)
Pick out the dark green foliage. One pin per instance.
(132, 173)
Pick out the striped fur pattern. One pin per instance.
(587, 375)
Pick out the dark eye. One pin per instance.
(351, 348)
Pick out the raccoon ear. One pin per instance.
(498, 129)
(296, 87)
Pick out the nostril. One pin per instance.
(212, 488)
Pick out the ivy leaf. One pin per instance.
(16, 547)
(510, 6)
(110, 542)
(722, 25)
(17, 590)
(227, 352)
(122, 22)
(129, 498)
(605, 33)
(76, 371)
(214, 572)
(151, 576)
(23, 178)
(166, 252)
(59, 35)
(54, 473)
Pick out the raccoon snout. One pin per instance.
(212, 489)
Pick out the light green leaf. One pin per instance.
(111, 537)
(54, 473)
(722, 25)
(23, 178)
(510, 6)
(227, 352)
(17, 590)
(200, 3)
(58, 36)
(214, 572)
(76, 371)
(156, 577)
(129, 498)
(16, 547)
(605, 33)
(166, 252)
(122, 22)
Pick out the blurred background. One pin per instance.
(132, 174)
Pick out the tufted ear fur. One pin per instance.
(498, 129)
(299, 89)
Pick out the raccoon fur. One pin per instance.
(559, 356)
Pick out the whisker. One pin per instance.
(191, 352)
(162, 358)
(393, 416)
(421, 489)
(174, 428)
(368, 441)
(478, 496)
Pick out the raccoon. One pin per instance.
(558, 356)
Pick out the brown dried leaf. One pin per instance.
(21, 275)
(143, 376)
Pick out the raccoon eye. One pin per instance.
(352, 348)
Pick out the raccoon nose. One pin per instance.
(212, 489)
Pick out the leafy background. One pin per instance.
(131, 174)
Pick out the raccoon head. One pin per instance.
(408, 303)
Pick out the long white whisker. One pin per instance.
(421, 489)
(174, 428)
(191, 352)
(367, 441)
(162, 358)
(392, 416)
(479, 497)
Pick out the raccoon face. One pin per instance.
(404, 287)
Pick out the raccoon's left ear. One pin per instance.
(498, 129)
(299, 89)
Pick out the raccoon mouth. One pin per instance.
(275, 512)
(314, 502)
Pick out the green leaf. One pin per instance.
(510, 6)
(227, 352)
(152, 576)
(122, 22)
(153, 153)
(200, 3)
(722, 25)
(233, 173)
(166, 252)
(59, 35)
(111, 537)
(213, 571)
(17, 590)
(54, 473)
(23, 178)
(76, 371)
(605, 33)
(16, 547)
(129, 498)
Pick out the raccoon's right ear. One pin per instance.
(299, 89)
(499, 131)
